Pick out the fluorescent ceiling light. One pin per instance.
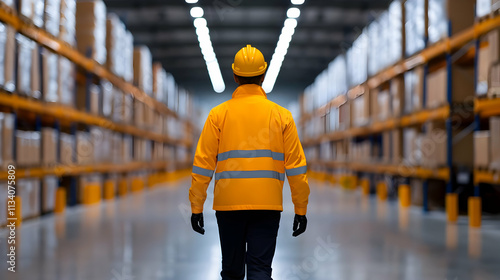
(296, 2)
(196, 12)
(293, 13)
(200, 22)
(196, 1)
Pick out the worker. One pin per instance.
(249, 143)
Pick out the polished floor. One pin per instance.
(147, 236)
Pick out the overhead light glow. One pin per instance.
(194, 1)
(196, 12)
(207, 50)
(293, 13)
(281, 50)
(298, 2)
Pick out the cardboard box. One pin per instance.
(36, 74)
(9, 3)
(410, 158)
(415, 23)
(67, 30)
(84, 148)
(414, 90)
(386, 144)
(159, 83)
(495, 139)
(29, 192)
(7, 142)
(91, 29)
(52, 16)
(50, 76)
(384, 105)
(396, 147)
(107, 98)
(66, 82)
(494, 90)
(443, 13)
(7, 59)
(361, 110)
(482, 149)
(25, 51)
(115, 37)
(67, 146)
(49, 188)
(397, 92)
(143, 68)
(32, 10)
(28, 148)
(139, 113)
(437, 88)
(127, 149)
(128, 60)
(49, 146)
(90, 103)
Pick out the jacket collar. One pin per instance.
(248, 90)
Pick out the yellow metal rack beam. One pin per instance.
(486, 177)
(72, 170)
(487, 107)
(398, 170)
(48, 41)
(70, 114)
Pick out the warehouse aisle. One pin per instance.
(147, 236)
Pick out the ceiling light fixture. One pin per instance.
(293, 13)
(296, 2)
(207, 49)
(194, 1)
(196, 12)
(280, 53)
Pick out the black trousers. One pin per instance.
(247, 237)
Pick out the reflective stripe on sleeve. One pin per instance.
(250, 154)
(203, 171)
(296, 171)
(268, 174)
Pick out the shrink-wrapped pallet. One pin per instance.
(52, 16)
(50, 76)
(415, 26)
(67, 28)
(66, 82)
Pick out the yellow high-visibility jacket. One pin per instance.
(249, 143)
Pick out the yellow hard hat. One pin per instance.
(249, 62)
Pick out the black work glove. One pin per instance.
(299, 225)
(197, 223)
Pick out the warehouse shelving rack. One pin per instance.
(69, 117)
(482, 108)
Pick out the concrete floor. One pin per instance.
(148, 236)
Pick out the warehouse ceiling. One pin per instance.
(325, 29)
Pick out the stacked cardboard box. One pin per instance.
(7, 57)
(84, 148)
(122, 106)
(494, 90)
(7, 124)
(101, 140)
(49, 188)
(28, 148)
(488, 57)
(26, 50)
(32, 10)
(384, 110)
(158, 152)
(486, 7)
(494, 140)
(52, 16)
(143, 69)
(91, 29)
(414, 90)
(397, 94)
(437, 86)
(396, 147)
(127, 149)
(67, 30)
(50, 76)
(142, 150)
(29, 192)
(107, 98)
(67, 149)
(448, 15)
(357, 60)
(66, 82)
(410, 151)
(482, 149)
(128, 59)
(49, 146)
(115, 38)
(361, 110)
(415, 27)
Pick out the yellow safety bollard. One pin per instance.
(474, 211)
(382, 191)
(137, 184)
(60, 202)
(109, 189)
(365, 187)
(123, 187)
(452, 207)
(404, 193)
(91, 194)
(152, 180)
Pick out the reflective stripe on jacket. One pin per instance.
(248, 144)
